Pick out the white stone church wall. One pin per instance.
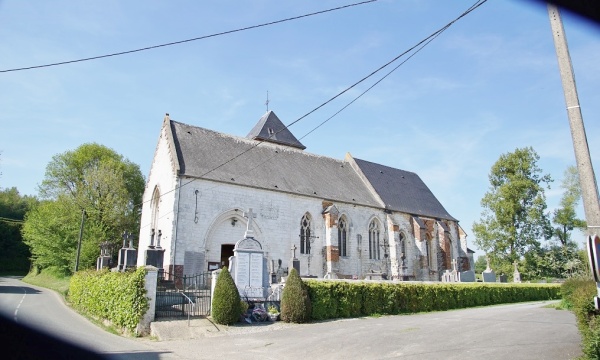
(163, 176)
(277, 221)
(278, 217)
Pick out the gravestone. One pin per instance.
(249, 265)
(467, 276)
(104, 260)
(516, 274)
(488, 275)
(447, 276)
(294, 261)
(503, 278)
(127, 255)
(155, 255)
(454, 273)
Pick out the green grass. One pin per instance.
(50, 280)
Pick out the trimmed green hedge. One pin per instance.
(114, 296)
(578, 296)
(340, 299)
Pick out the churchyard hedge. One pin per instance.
(578, 296)
(119, 297)
(340, 299)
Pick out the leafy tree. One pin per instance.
(94, 179)
(565, 219)
(15, 254)
(555, 261)
(226, 304)
(514, 218)
(480, 264)
(295, 302)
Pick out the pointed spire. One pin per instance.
(270, 128)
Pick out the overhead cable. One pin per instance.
(187, 40)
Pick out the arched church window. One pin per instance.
(343, 236)
(374, 250)
(305, 233)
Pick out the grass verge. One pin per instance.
(50, 280)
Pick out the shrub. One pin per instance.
(578, 294)
(295, 301)
(335, 299)
(226, 303)
(114, 296)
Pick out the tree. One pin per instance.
(565, 217)
(295, 302)
(513, 220)
(94, 179)
(480, 264)
(15, 254)
(226, 309)
(555, 261)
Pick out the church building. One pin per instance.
(348, 218)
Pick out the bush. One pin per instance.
(335, 299)
(295, 301)
(114, 296)
(226, 303)
(578, 295)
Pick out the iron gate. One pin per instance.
(182, 296)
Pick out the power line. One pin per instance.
(428, 40)
(187, 40)
(421, 43)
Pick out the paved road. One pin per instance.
(520, 331)
(41, 309)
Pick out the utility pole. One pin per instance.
(587, 179)
(79, 242)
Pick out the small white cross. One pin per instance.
(294, 251)
(249, 228)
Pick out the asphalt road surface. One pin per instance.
(517, 331)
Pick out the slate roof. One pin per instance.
(211, 155)
(266, 166)
(270, 128)
(402, 191)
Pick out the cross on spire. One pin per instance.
(267, 102)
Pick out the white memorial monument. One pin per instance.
(249, 266)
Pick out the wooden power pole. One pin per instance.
(587, 179)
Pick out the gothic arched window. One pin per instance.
(343, 236)
(374, 252)
(305, 234)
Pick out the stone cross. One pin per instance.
(487, 259)
(515, 264)
(454, 264)
(294, 251)
(249, 229)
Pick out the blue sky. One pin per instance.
(486, 86)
